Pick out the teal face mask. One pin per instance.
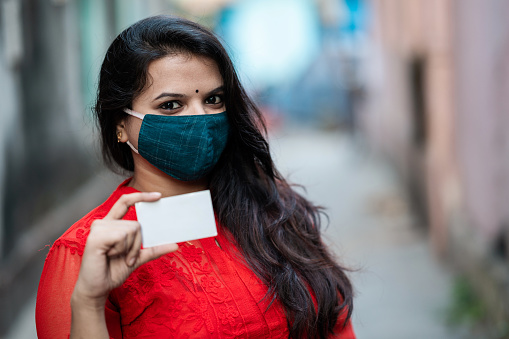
(186, 147)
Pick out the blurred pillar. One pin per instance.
(11, 55)
(441, 152)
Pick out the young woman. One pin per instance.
(171, 110)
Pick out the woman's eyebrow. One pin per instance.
(217, 90)
(178, 95)
(171, 95)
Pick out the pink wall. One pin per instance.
(481, 47)
(465, 162)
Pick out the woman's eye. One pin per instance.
(214, 100)
(171, 105)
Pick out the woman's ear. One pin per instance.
(121, 132)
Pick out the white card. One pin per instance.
(176, 219)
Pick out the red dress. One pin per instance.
(203, 290)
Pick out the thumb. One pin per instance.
(155, 252)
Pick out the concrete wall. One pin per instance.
(482, 88)
(437, 105)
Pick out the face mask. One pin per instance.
(185, 147)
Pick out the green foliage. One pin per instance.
(466, 307)
(469, 312)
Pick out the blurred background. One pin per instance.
(392, 113)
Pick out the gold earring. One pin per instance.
(119, 136)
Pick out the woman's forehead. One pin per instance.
(184, 72)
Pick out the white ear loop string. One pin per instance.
(139, 116)
(132, 147)
(134, 113)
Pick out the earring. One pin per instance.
(119, 136)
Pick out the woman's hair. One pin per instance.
(277, 230)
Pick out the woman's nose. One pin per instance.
(197, 109)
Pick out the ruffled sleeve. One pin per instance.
(60, 273)
(53, 308)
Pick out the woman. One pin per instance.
(172, 111)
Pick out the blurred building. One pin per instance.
(298, 58)
(437, 79)
(50, 54)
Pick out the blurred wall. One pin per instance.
(43, 135)
(482, 88)
(437, 82)
(50, 54)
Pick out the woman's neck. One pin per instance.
(147, 178)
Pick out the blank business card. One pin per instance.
(176, 219)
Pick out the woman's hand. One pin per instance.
(113, 251)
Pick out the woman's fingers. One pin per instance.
(122, 205)
(122, 238)
(113, 249)
(155, 252)
(113, 237)
(130, 246)
(134, 250)
(125, 240)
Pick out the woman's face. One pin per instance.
(177, 85)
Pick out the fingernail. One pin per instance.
(131, 261)
(155, 194)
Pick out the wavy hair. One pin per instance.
(276, 229)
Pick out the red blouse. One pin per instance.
(203, 290)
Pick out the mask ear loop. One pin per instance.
(132, 147)
(134, 113)
(139, 116)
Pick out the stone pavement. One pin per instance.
(401, 290)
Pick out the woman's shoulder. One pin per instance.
(75, 237)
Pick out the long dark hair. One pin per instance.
(277, 230)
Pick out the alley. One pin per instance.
(401, 290)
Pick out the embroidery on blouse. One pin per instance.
(74, 239)
(208, 304)
(147, 298)
(181, 294)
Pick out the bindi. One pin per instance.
(197, 91)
